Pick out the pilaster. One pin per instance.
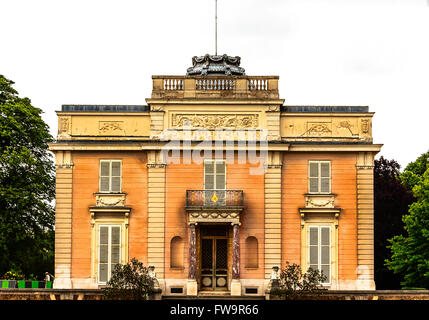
(272, 221)
(156, 212)
(365, 220)
(63, 219)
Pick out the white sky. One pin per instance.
(326, 52)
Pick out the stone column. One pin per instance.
(235, 283)
(192, 288)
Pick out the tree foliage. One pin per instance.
(391, 201)
(293, 282)
(130, 281)
(27, 186)
(410, 251)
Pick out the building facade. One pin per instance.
(215, 183)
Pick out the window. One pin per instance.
(214, 175)
(251, 252)
(176, 252)
(319, 177)
(110, 175)
(319, 250)
(109, 250)
(214, 182)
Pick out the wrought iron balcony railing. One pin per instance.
(214, 198)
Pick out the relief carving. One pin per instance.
(311, 202)
(216, 121)
(110, 200)
(111, 127)
(275, 108)
(346, 125)
(365, 125)
(64, 125)
(317, 129)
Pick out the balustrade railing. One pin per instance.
(215, 84)
(204, 86)
(214, 198)
(257, 84)
(173, 84)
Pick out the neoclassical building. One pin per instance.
(214, 182)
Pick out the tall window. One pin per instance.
(110, 175)
(319, 250)
(109, 250)
(319, 177)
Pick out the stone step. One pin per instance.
(213, 295)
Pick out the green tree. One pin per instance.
(410, 252)
(391, 201)
(27, 186)
(130, 281)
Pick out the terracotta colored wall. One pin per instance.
(85, 183)
(182, 177)
(252, 219)
(295, 185)
(179, 178)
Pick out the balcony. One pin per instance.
(229, 87)
(214, 206)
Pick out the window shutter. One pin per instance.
(116, 168)
(104, 184)
(220, 181)
(314, 169)
(116, 184)
(325, 185)
(109, 251)
(214, 175)
(314, 185)
(325, 173)
(105, 168)
(110, 176)
(324, 169)
(320, 250)
(319, 177)
(115, 256)
(104, 176)
(313, 244)
(104, 254)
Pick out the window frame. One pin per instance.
(109, 251)
(110, 161)
(214, 161)
(319, 177)
(319, 250)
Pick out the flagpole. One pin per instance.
(216, 27)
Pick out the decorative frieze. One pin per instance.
(319, 201)
(326, 127)
(110, 199)
(215, 121)
(111, 128)
(214, 216)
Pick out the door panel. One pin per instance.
(214, 258)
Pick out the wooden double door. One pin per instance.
(214, 258)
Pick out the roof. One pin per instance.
(105, 108)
